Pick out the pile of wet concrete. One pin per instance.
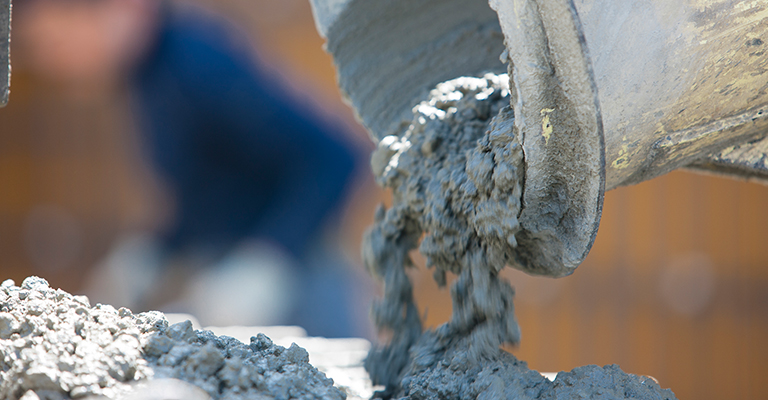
(56, 346)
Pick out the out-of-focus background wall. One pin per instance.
(675, 287)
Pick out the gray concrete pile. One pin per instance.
(56, 346)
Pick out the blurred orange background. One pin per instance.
(676, 285)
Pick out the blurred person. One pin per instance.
(254, 176)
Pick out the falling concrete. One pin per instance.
(456, 176)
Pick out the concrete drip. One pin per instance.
(456, 174)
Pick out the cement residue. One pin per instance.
(55, 346)
(456, 176)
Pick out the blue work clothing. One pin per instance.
(242, 158)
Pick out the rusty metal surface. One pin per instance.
(5, 51)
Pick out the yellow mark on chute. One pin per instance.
(623, 160)
(546, 124)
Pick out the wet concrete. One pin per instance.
(456, 174)
(56, 346)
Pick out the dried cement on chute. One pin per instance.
(456, 175)
(55, 346)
